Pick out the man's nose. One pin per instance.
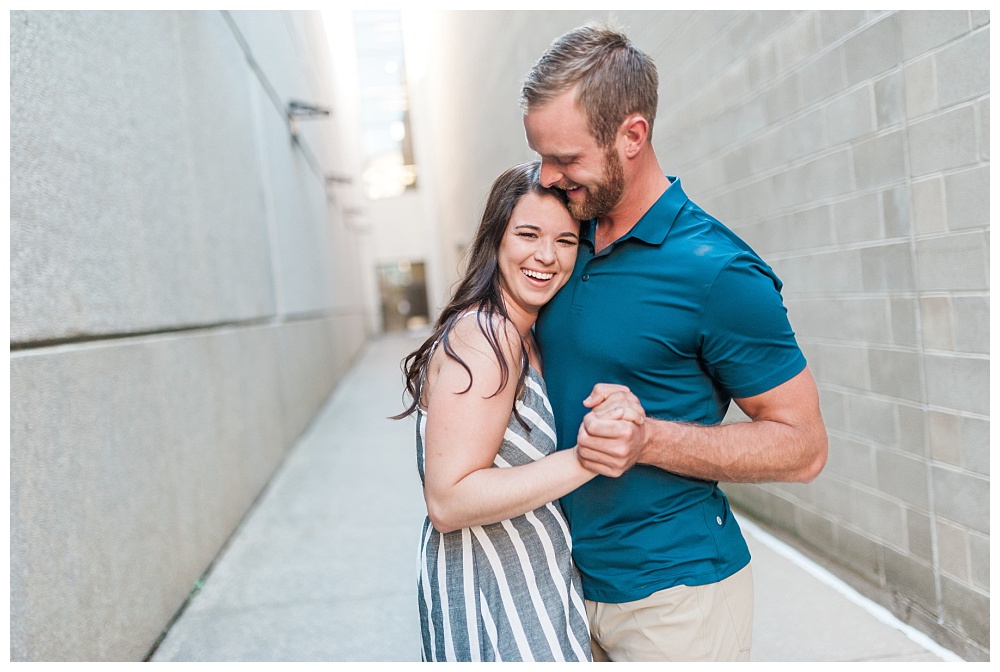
(549, 175)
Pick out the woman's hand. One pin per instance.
(612, 435)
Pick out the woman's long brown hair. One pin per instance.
(480, 287)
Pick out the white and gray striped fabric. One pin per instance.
(507, 591)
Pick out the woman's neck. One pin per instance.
(523, 320)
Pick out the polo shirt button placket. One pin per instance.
(585, 277)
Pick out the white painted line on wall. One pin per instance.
(878, 611)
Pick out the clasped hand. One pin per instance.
(611, 435)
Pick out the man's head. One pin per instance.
(582, 102)
(612, 78)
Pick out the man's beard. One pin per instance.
(600, 198)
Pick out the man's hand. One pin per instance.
(611, 435)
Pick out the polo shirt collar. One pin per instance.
(650, 228)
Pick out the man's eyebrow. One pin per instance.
(558, 157)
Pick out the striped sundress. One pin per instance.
(507, 591)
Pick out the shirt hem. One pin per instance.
(645, 591)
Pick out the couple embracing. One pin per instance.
(569, 400)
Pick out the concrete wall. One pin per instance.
(184, 296)
(851, 149)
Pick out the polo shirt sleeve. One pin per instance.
(746, 341)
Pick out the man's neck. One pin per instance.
(642, 192)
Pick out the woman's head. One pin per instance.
(483, 280)
(483, 286)
(536, 255)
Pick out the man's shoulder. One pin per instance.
(703, 239)
(708, 238)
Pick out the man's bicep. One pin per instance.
(794, 402)
(747, 342)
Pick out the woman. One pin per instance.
(496, 578)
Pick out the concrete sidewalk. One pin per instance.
(323, 567)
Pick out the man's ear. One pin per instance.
(635, 132)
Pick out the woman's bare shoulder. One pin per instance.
(472, 338)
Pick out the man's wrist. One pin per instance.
(651, 433)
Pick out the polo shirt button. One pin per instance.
(718, 519)
(585, 278)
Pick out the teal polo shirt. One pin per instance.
(686, 315)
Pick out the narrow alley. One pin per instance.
(323, 567)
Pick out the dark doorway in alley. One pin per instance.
(403, 290)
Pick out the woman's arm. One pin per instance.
(463, 435)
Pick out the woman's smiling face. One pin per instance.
(538, 251)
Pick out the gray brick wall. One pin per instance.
(183, 299)
(851, 149)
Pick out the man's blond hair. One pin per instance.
(615, 78)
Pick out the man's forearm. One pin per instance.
(785, 439)
(741, 452)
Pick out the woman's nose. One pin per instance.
(545, 252)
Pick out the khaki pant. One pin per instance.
(683, 623)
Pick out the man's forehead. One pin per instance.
(557, 131)
(554, 143)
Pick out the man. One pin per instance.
(670, 316)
